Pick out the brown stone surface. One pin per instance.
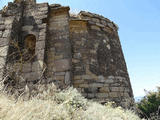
(62, 65)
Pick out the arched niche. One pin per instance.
(30, 43)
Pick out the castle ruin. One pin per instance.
(83, 51)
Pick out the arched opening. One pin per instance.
(30, 44)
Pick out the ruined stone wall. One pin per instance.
(83, 51)
(99, 69)
(58, 51)
(4, 43)
(34, 23)
(17, 22)
(9, 27)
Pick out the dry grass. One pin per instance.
(64, 105)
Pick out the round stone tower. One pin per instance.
(98, 65)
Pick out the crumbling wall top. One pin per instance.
(26, 1)
(95, 18)
(58, 7)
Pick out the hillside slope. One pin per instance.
(64, 105)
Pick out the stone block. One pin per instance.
(90, 95)
(42, 38)
(40, 54)
(101, 95)
(95, 20)
(86, 77)
(96, 85)
(126, 89)
(6, 33)
(59, 45)
(109, 81)
(111, 77)
(78, 81)
(1, 33)
(39, 13)
(58, 26)
(77, 55)
(43, 8)
(1, 75)
(114, 94)
(91, 22)
(41, 16)
(93, 51)
(83, 13)
(126, 83)
(27, 28)
(38, 22)
(101, 79)
(59, 73)
(108, 46)
(50, 60)
(37, 66)
(32, 76)
(106, 85)
(42, 32)
(115, 84)
(104, 22)
(67, 79)
(42, 26)
(2, 62)
(95, 27)
(57, 77)
(8, 20)
(104, 90)
(107, 29)
(61, 17)
(76, 86)
(4, 42)
(2, 27)
(121, 89)
(3, 51)
(114, 89)
(111, 25)
(77, 77)
(8, 26)
(41, 5)
(62, 65)
(40, 45)
(121, 94)
(126, 95)
(1, 21)
(75, 60)
(100, 25)
(83, 85)
(27, 67)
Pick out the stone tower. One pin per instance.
(42, 42)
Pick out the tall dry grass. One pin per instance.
(64, 105)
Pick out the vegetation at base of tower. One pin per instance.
(149, 106)
(63, 105)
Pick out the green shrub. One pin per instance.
(149, 105)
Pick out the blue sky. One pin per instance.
(139, 31)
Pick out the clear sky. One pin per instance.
(139, 31)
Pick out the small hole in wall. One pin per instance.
(44, 20)
(30, 44)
